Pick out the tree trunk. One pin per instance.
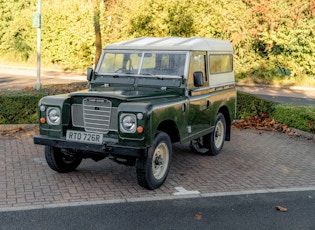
(97, 29)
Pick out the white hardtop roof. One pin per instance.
(173, 43)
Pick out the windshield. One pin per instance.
(143, 63)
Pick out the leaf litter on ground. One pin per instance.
(264, 122)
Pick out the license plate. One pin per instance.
(85, 137)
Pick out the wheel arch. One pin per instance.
(171, 129)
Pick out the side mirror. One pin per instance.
(90, 74)
(198, 79)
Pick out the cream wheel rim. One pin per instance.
(160, 161)
(219, 134)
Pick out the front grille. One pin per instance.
(95, 115)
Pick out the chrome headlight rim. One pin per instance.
(128, 123)
(53, 116)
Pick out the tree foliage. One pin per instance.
(271, 38)
(68, 33)
(15, 36)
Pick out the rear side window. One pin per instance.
(221, 63)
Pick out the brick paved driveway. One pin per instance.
(253, 160)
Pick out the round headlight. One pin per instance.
(53, 116)
(128, 123)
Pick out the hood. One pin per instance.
(127, 94)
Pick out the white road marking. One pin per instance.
(182, 191)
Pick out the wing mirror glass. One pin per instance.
(90, 74)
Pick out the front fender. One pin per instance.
(60, 101)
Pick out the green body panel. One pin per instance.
(59, 101)
(171, 112)
(203, 108)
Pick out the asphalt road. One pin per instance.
(300, 96)
(257, 211)
(15, 77)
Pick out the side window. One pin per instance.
(221, 63)
(197, 64)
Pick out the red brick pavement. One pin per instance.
(253, 160)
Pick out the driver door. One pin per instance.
(199, 104)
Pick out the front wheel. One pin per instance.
(215, 140)
(153, 170)
(61, 160)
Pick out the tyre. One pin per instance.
(153, 170)
(214, 141)
(61, 160)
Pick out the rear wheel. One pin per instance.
(60, 160)
(153, 170)
(214, 141)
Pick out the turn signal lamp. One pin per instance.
(140, 129)
(42, 120)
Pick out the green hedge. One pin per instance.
(250, 105)
(302, 117)
(20, 107)
(299, 117)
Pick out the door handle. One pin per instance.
(184, 107)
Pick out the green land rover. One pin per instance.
(144, 95)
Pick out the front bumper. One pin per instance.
(106, 149)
